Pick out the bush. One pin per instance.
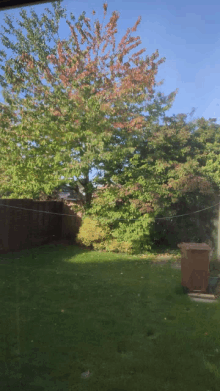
(99, 246)
(92, 232)
(114, 246)
(131, 239)
(120, 247)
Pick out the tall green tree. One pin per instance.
(207, 144)
(71, 108)
(164, 177)
(188, 185)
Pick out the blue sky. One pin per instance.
(188, 35)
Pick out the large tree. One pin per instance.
(71, 108)
(168, 175)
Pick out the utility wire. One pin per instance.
(156, 218)
(187, 214)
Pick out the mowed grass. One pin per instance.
(66, 310)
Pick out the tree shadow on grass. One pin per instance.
(44, 254)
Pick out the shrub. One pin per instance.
(99, 246)
(132, 239)
(121, 247)
(115, 223)
(136, 233)
(125, 247)
(91, 232)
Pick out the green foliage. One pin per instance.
(207, 141)
(114, 246)
(91, 232)
(119, 247)
(111, 234)
(110, 208)
(165, 177)
(65, 114)
(82, 118)
(99, 246)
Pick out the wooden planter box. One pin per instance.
(195, 266)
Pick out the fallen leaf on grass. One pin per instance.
(84, 375)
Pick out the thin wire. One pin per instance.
(187, 214)
(40, 211)
(156, 218)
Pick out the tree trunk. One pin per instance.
(87, 190)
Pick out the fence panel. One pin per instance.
(22, 229)
(19, 224)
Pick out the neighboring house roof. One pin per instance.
(70, 195)
(64, 195)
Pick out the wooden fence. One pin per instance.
(22, 228)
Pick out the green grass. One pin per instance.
(65, 310)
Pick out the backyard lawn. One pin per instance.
(126, 320)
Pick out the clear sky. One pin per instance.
(186, 33)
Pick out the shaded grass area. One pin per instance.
(67, 310)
